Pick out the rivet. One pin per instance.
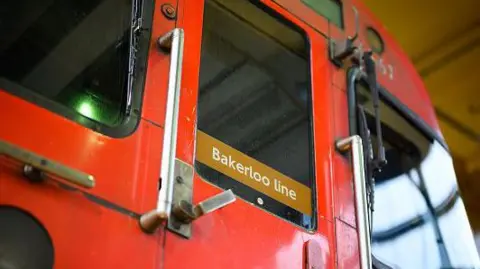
(169, 11)
(260, 201)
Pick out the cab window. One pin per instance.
(254, 114)
(414, 194)
(75, 57)
(330, 9)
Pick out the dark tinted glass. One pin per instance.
(74, 52)
(255, 95)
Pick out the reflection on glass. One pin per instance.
(418, 220)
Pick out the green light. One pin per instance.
(86, 109)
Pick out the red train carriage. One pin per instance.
(218, 134)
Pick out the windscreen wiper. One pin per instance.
(368, 157)
(379, 160)
(375, 163)
(136, 29)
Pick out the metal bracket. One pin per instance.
(182, 193)
(183, 212)
(341, 50)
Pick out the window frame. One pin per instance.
(353, 75)
(131, 121)
(312, 167)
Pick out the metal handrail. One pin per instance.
(46, 165)
(354, 144)
(173, 40)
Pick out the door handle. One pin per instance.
(354, 144)
(185, 212)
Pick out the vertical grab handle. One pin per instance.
(354, 144)
(171, 42)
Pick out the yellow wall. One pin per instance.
(442, 38)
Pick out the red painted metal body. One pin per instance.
(88, 234)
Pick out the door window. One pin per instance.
(254, 114)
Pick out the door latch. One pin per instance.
(183, 212)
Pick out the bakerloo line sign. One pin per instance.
(244, 169)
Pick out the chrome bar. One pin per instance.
(355, 146)
(173, 39)
(43, 164)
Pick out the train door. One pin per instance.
(250, 180)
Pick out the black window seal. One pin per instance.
(308, 48)
(132, 119)
(354, 75)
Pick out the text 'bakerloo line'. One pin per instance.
(228, 161)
